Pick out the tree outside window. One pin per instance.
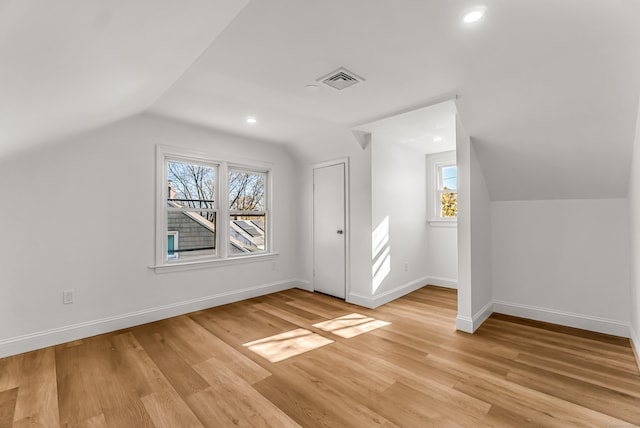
(447, 191)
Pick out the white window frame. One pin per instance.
(435, 164)
(164, 154)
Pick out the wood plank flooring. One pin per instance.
(195, 371)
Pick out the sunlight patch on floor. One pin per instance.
(351, 325)
(286, 345)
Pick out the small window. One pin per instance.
(442, 189)
(447, 194)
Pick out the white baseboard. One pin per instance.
(56, 336)
(482, 315)
(464, 323)
(471, 324)
(303, 284)
(585, 322)
(373, 302)
(443, 282)
(635, 344)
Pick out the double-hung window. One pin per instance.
(209, 209)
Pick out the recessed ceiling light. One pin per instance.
(311, 88)
(251, 120)
(474, 15)
(437, 139)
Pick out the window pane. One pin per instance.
(246, 191)
(171, 245)
(190, 234)
(449, 204)
(189, 185)
(449, 178)
(247, 233)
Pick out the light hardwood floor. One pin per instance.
(417, 371)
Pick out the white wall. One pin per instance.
(474, 237)
(360, 224)
(634, 215)
(80, 214)
(563, 261)
(442, 255)
(481, 279)
(464, 319)
(442, 238)
(399, 196)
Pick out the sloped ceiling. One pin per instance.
(72, 65)
(547, 89)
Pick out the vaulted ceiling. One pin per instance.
(72, 65)
(547, 89)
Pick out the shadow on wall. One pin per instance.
(381, 254)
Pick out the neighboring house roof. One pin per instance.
(251, 232)
(194, 216)
(246, 235)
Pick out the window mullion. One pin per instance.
(223, 210)
(161, 211)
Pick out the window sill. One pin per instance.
(443, 223)
(213, 263)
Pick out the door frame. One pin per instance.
(347, 224)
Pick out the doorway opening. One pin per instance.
(414, 190)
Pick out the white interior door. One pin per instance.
(329, 234)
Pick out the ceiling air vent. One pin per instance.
(340, 79)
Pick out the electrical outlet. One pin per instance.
(67, 297)
(406, 266)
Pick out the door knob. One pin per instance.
(339, 232)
